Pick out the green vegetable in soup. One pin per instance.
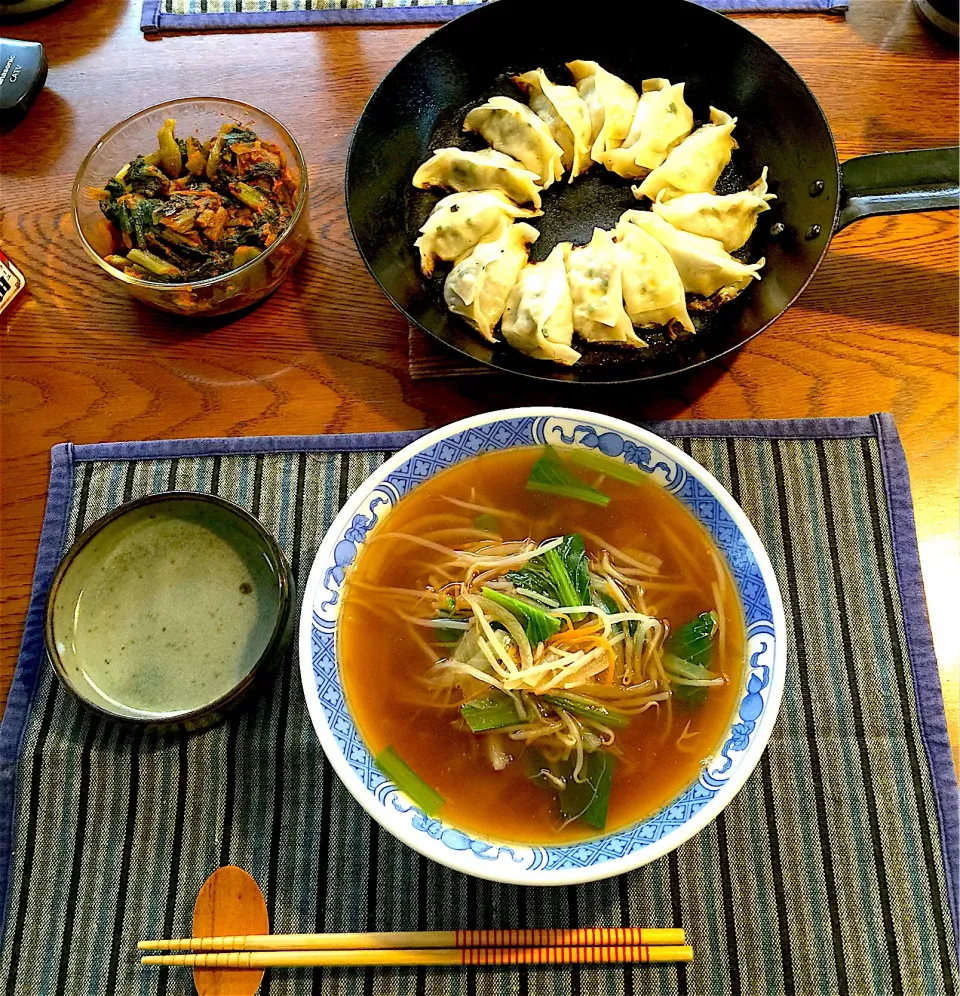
(447, 635)
(568, 567)
(536, 578)
(537, 624)
(687, 654)
(694, 641)
(551, 476)
(602, 464)
(574, 557)
(408, 781)
(588, 800)
(587, 709)
(488, 523)
(586, 797)
(558, 571)
(561, 574)
(493, 711)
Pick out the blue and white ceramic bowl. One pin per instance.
(616, 852)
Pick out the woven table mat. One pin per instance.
(833, 871)
(159, 16)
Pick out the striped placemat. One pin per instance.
(833, 871)
(159, 16)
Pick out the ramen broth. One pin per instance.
(384, 657)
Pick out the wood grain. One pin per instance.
(876, 330)
(229, 903)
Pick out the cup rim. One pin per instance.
(514, 875)
(302, 199)
(187, 717)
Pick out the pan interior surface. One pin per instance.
(421, 103)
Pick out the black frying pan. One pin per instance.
(421, 103)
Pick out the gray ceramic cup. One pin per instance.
(167, 611)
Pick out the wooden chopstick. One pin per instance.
(583, 936)
(572, 955)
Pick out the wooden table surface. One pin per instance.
(875, 331)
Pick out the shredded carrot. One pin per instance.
(570, 639)
(573, 641)
(566, 635)
(586, 643)
(608, 677)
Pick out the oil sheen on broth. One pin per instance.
(383, 659)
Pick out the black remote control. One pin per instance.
(23, 71)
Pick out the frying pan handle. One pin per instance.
(898, 182)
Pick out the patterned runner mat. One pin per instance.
(833, 870)
(159, 16)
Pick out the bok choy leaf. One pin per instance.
(493, 711)
(536, 578)
(551, 476)
(568, 567)
(488, 523)
(574, 557)
(687, 654)
(562, 574)
(587, 709)
(589, 800)
(537, 624)
(603, 464)
(408, 781)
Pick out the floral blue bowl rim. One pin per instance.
(614, 853)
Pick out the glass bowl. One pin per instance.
(202, 118)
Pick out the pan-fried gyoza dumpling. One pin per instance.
(593, 272)
(662, 120)
(611, 101)
(538, 319)
(460, 221)
(477, 287)
(730, 218)
(565, 114)
(513, 129)
(694, 166)
(705, 267)
(652, 289)
(458, 169)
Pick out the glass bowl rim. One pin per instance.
(302, 198)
